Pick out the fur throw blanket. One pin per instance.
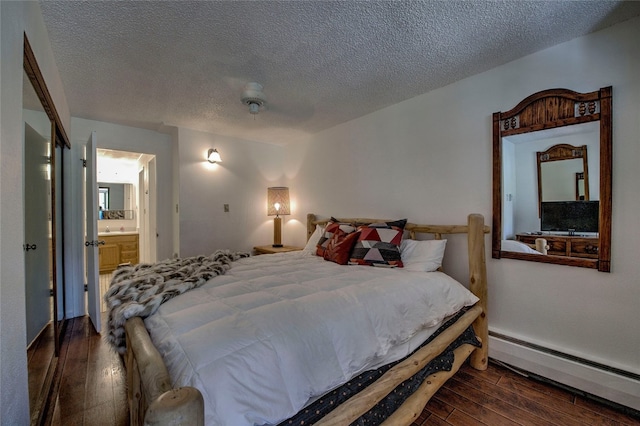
(140, 290)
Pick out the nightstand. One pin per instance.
(271, 250)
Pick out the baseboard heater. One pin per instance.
(607, 384)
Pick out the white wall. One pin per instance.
(430, 158)
(199, 188)
(121, 138)
(15, 19)
(240, 180)
(132, 139)
(510, 193)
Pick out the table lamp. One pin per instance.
(277, 204)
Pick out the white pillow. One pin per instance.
(422, 256)
(313, 240)
(517, 246)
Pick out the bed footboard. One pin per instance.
(356, 406)
(409, 411)
(152, 401)
(479, 359)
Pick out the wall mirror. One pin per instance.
(552, 164)
(44, 142)
(561, 173)
(115, 201)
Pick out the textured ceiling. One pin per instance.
(185, 63)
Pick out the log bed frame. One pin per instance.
(153, 401)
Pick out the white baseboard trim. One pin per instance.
(604, 384)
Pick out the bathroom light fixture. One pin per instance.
(213, 156)
(277, 204)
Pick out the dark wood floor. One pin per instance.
(500, 396)
(92, 392)
(92, 380)
(41, 361)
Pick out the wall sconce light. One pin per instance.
(213, 156)
(277, 204)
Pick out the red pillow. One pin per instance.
(333, 227)
(339, 247)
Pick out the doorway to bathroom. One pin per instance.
(126, 211)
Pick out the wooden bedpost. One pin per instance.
(311, 227)
(152, 401)
(478, 285)
(181, 406)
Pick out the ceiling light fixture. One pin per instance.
(253, 97)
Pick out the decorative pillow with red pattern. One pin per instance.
(339, 247)
(378, 245)
(332, 228)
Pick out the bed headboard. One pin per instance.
(436, 230)
(475, 230)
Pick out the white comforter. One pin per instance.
(277, 331)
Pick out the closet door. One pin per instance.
(43, 141)
(92, 242)
(58, 263)
(38, 242)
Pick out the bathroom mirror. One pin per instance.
(115, 201)
(549, 134)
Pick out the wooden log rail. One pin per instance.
(148, 381)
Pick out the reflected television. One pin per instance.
(570, 216)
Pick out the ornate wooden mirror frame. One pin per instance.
(550, 109)
(563, 152)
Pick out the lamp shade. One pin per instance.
(278, 201)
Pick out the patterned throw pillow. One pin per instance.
(399, 223)
(332, 227)
(378, 245)
(339, 247)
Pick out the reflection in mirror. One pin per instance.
(558, 171)
(557, 179)
(531, 181)
(45, 139)
(540, 155)
(581, 193)
(115, 201)
(38, 238)
(57, 163)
